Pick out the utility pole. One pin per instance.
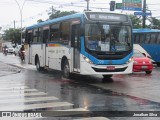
(52, 10)
(144, 13)
(14, 24)
(87, 4)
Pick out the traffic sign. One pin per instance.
(118, 5)
(142, 13)
(135, 5)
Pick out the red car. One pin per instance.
(141, 62)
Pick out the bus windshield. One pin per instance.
(108, 38)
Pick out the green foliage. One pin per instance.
(39, 21)
(136, 22)
(155, 23)
(12, 35)
(58, 13)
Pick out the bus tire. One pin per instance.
(66, 69)
(107, 76)
(38, 65)
(148, 72)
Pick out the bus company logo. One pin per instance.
(6, 114)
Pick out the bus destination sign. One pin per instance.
(107, 17)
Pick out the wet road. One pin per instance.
(30, 90)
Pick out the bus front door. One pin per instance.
(75, 43)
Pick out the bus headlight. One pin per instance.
(130, 60)
(87, 60)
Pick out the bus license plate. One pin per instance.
(110, 67)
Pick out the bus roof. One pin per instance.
(55, 20)
(145, 30)
(112, 17)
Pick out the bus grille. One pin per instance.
(105, 70)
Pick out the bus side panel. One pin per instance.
(36, 50)
(65, 52)
(55, 53)
(52, 55)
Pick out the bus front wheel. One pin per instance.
(66, 69)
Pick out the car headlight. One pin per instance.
(150, 61)
(87, 60)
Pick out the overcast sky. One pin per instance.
(36, 9)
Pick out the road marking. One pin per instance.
(14, 88)
(12, 85)
(26, 100)
(18, 91)
(22, 94)
(54, 105)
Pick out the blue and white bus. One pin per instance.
(86, 43)
(149, 39)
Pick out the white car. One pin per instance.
(10, 49)
(17, 48)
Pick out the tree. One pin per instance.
(12, 35)
(136, 22)
(155, 23)
(58, 13)
(39, 21)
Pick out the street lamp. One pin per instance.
(20, 10)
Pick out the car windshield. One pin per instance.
(9, 46)
(137, 53)
(107, 38)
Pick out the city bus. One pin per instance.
(88, 43)
(149, 40)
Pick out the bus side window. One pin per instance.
(55, 32)
(158, 39)
(65, 32)
(45, 35)
(40, 35)
(153, 38)
(148, 38)
(35, 36)
(29, 37)
(141, 40)
(136, 38)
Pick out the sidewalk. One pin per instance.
(6, 69)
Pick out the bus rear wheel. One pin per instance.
(66, 69)
(107, 76)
